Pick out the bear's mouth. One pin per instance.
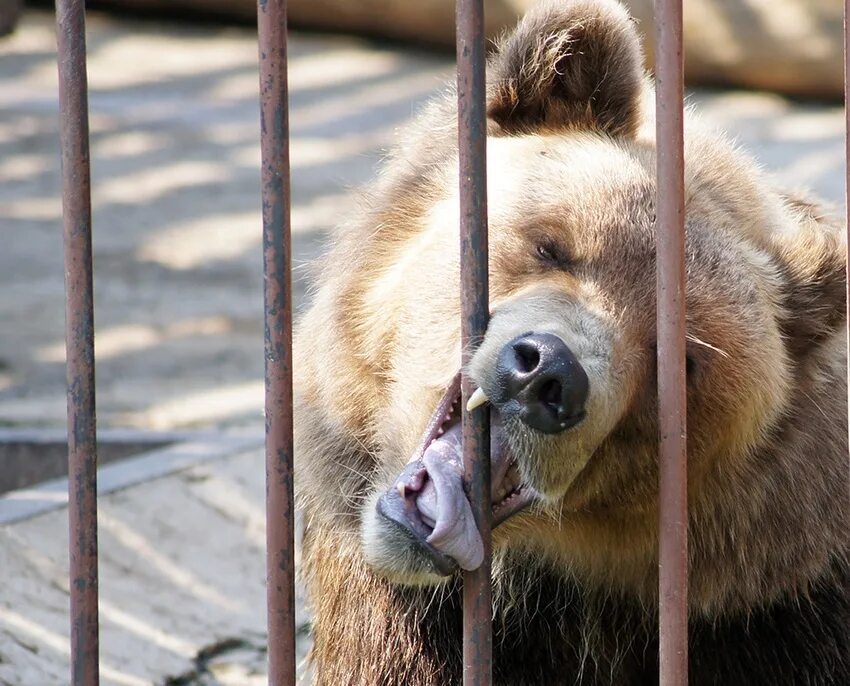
(428, 500)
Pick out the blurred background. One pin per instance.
(173, 90)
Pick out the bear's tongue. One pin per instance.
(443, 505)
(428, 499)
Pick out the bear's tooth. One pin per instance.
(400, 487)
(477, 399)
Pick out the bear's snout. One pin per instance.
(539, 379)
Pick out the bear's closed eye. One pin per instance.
(691, 363)
(553, 256)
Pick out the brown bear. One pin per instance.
(568, 367)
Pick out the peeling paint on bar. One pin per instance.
(277, 253)
(79, 340)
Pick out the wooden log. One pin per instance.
(789, 46)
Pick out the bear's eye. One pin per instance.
(552, 256)
(691, 365)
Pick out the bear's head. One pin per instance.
(568, 364)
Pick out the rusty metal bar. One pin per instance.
(673, 487)
(277, 254)
(79, 339)
(472, 155)
(847, 184)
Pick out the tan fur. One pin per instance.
(571, 162)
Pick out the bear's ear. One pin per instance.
(569, 64)
(813, 269)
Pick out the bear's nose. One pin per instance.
(541, 377)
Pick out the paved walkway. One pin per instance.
(177, 251)
(182, 588)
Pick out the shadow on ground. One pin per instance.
(175, 162)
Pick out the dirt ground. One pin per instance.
(175, 161)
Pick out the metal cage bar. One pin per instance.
(277, 263)
(847, 190)
(272, 25)
(670, 212)
(79, 339)
(472, 159)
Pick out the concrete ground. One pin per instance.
(175, 161)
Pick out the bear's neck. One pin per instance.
(774, 521)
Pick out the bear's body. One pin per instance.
(572, 247)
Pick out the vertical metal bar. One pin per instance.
(472, 153)
(277, 254)
(673, 487)
(847, 196)
(79, 339)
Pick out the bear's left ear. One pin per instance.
(812, 265)
(569, 64)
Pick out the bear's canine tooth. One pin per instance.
(476, 400)
(401, 488)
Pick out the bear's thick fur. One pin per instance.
(572, 255)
